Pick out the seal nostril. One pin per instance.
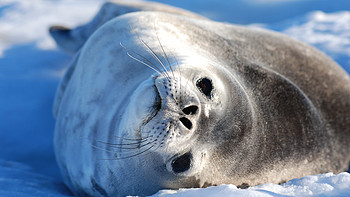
(186, 122)
(190, 110)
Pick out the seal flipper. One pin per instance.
(72, 40)
(64, 38)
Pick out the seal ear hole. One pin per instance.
(186, 122)
(205, 86)
(182, 163)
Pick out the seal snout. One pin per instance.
(179, 100)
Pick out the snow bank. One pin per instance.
(318, 185)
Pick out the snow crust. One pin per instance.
(31, 66)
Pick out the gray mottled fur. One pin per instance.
(287, 111)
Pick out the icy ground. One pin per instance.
(31, 66)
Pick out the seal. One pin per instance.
(157, 100)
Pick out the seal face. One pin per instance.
(156, 100)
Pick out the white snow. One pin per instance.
(31, 65)
(329, 32)
(317, 185)
(27, 21)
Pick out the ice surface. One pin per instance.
(17, 179)
(31, 66)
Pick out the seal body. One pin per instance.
(155, 100)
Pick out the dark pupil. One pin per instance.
(205, 86)
(182, 163)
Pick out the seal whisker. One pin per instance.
(144, 63)
(100, 148)
(153, 67)
(151, 51)
(133, 155)
(161, 46)
(126, 139)
(126, 148)
(96, 147)
(130, 156)
(131, 139)
(112, 144)
(158, 146)
(139, 145)
(160, 82)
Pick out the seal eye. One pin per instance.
(205, 86)
(182, 163)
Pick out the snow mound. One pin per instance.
(317, 185)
